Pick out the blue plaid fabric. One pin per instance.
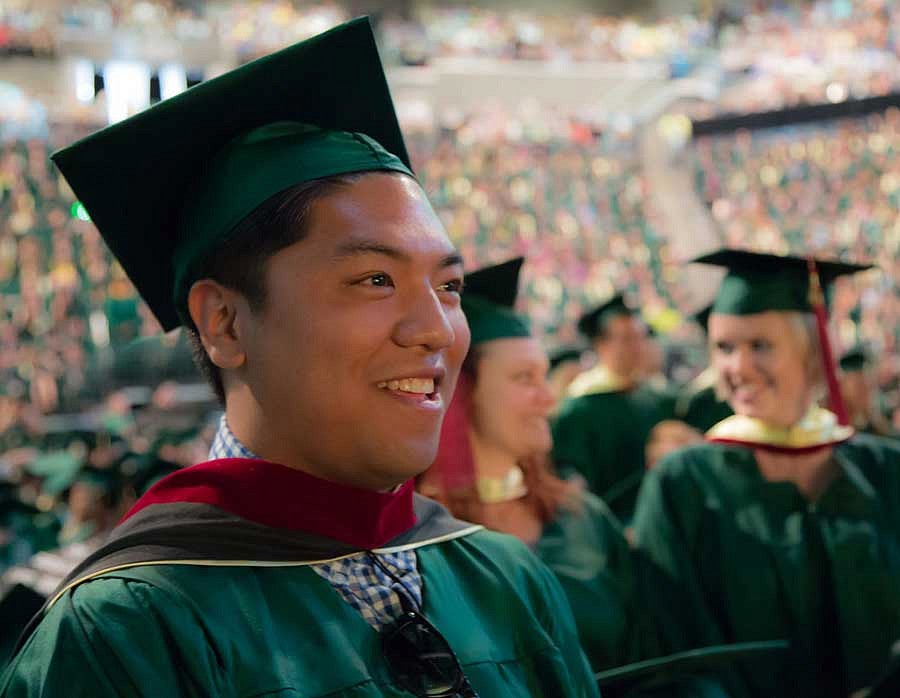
(359, 581)
(226, 444)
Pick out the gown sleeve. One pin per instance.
(559, 623)
(667, 521)
(587, 551)
(116, 637)
(573, 440)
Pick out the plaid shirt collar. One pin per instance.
(227, 445)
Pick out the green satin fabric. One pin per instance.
(727, 556)
(253, 631)
(586, 549)
(603, 437)
(703, 409)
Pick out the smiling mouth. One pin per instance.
(743, 392)
(417, 388)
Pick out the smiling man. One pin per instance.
(273, 212)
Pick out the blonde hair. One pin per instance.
(806, 332)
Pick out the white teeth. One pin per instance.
(422, 386)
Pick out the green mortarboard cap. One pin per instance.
(676, 667)
(757, 283)
(166, 186)
(854, 359)
(593, 322)
(488, 301)
(560, 355)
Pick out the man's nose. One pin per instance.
(425, 323)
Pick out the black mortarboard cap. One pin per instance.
(701, 317)
(593, 322)
(488, 301)
(498, 283)
(756, 282)
(563, 354)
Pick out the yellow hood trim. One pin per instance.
(818, 428)
(474, 528)
(596, 381)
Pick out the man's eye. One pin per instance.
(379, 280)
(724, 347)
(454, 286)
(761, 345)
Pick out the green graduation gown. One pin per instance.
(701, 408)
(727, 556)
(183, 630)
(603, 435)
(270, 625)
(585, 548)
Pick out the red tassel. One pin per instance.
(817, 301)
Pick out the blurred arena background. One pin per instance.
(607, 148)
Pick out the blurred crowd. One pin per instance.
(73, 445)
(68, 479)
(66, 309)
(255, 28)
(481, 33)
(832, 190)
(776, 57)
(807, 53)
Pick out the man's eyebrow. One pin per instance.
(451, 260)
(354, 248)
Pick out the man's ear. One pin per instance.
(214, 309)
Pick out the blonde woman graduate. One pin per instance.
(784, 523)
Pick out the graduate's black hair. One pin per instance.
(240, 262)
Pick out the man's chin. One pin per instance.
(404, 467)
